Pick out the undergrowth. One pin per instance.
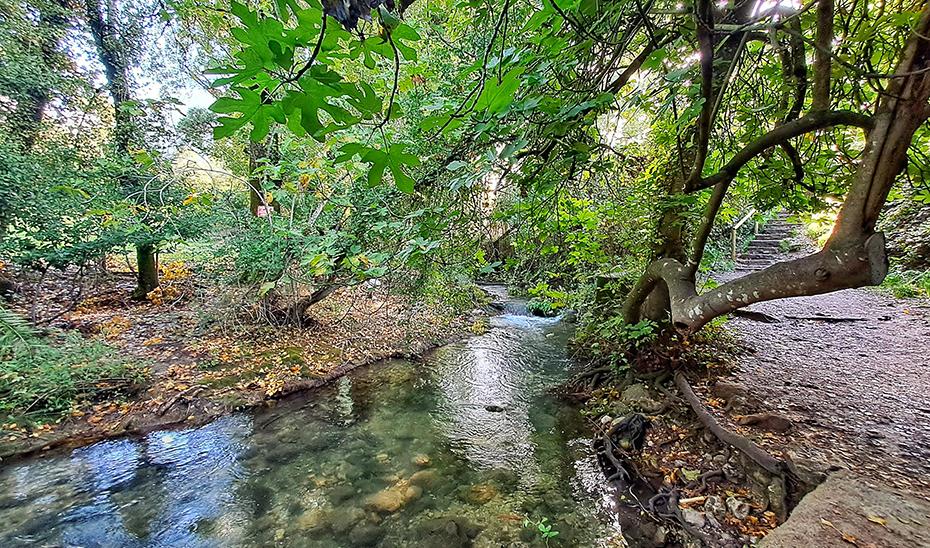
(907, 283)
(44, 377)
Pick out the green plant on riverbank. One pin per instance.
(543, 527)
(42, 378)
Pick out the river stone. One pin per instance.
(343, 519)
(341, 493)
(637, 396)
(412, 493)
(421, 460)
(446, 533)
(739, 508)
(365, 534)
(481, 493)
(423, 478)
(715, 507)
(312, 519)
(693, 517)
(349, 471)
(387, 501)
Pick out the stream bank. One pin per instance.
(203, 361)
(464, 448)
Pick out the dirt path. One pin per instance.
(857, 390)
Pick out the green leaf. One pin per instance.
(265, 288)
(654, 60)
(497, 96)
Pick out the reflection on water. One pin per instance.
(452, 452)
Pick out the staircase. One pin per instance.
(765, 249)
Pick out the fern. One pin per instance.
(14, 330)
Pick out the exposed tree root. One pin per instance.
(755, 316)
(188, 394)
(828, 319)
(748, 447)
(665, 505)
(615, 446)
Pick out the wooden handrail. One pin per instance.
(734, 228)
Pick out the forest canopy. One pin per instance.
(547, 143)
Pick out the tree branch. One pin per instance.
(823, 55)
(810, 122)
(704, 20)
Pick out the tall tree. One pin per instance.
(113, 39)
(34, 66)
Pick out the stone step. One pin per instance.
(773, 248)
(775, 233)
(753, 265)
(762, 249)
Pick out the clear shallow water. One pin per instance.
(402, 454)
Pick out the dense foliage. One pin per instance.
(563, 146)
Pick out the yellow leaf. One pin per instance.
(826, 523)
(881, 521)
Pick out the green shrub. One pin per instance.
(42, 378)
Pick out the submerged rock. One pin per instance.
(311, 520)
(387, 501)
(424, 478)
(395, 497)
(365, 534)
(421, 460)
(343, 519)
(481, 493)
(341, 493)
(446, 533)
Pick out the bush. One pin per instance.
(42, 378)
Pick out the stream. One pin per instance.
(456, 450)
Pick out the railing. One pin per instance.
(734, 228)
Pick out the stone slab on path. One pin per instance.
(847, 511)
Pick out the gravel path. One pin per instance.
(858, 389)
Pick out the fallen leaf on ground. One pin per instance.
(881, 521)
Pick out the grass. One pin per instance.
(907, 283)
(43, 377)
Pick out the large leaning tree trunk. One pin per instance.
(718, 60)
(113, 55)
(854, 255)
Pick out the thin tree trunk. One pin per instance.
(147, 279)
(103, 27)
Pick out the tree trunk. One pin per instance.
(27, 119)
(854, 256)
(113, 57)
(257, 152)
(672, 228)
(147, 280)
